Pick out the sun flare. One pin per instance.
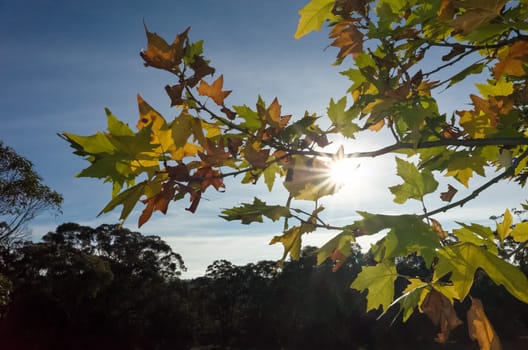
(342, 170)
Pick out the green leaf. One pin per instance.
(117, 127)
(313, 15)
(341, 118)
(408, 234)
(475, 68)
(463, 259)
(270, 173)
(248, 213)
(379, 280)
(416, 183)
(252, 119)
(128, 198)
(478, 235)
(291, 240)
(342, 242)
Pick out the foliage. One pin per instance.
(22, 194)
(403, 53)
(93, 283)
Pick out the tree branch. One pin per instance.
(508, 172)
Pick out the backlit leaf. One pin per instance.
(480, 328)
(313, 15)
(379, 280)
(214, 91)
(254, 212)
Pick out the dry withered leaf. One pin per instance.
(440, 311)
(347, 38)
(449, 194)
(480, 328)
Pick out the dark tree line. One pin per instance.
(111, 288)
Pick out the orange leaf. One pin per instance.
(440, 311)
(214, 91)
(338, 258)
(208, 177)
(513, 63)
(158, 202)
(449, 194)
(480, 328)
(438, 229)
(348, 38)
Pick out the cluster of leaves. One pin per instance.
(403, 53)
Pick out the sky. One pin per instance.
(63, 61)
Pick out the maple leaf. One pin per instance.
(441, 312)
(379, 280)
(214, 153)
(308, 179)
(449, 194)
(463, 259)
(342, 243)
(160, 54)
(258, 158)
(248, 213)
(474, 14)
(417, 183)
(480, 328)
(347, 38)
(160, 202)
(175, 94)
(514, 61)
(214, 91)
(313, 15)
(201, 69)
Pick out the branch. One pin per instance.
(499, 141)
(508, 172)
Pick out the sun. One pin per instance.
(342, 171)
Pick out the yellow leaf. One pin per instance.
(504, 228)
(500, 88)
(480, 328)
(313, 15)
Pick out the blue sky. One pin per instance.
(63, 61)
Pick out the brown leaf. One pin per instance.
(344, 8)
(257, 157)
(208, 177)
(455, 51)
(440, 311)
(214, 91)
(178, 172)
(233, 144)
(449, 194)
(229, 113)
(214, 153)
(175, 94)
(347, 38)
(160, 54)
(201, 69)
(159, 202)
(480, 328)
(438, 229)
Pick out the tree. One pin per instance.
(22, 194)
(96, 287)
(403, 53)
